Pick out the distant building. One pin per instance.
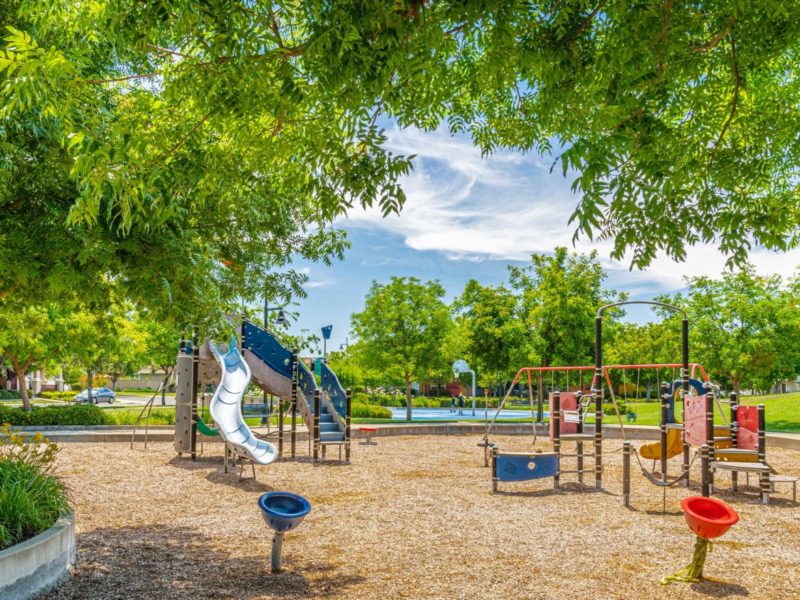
(37, 382)
(145, 378)
(785, 387)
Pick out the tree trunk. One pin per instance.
(409, 403)
(114, 377)
(89, 381)
(736, 384)
(20, 372)
(167, 373)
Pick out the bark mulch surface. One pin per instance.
(411, 517)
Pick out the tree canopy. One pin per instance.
(746, 327)
(401, 328)
(495, 334)
(560, 295)
(30, 335)
(210, 142)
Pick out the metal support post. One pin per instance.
(626, 473)
(317, 413)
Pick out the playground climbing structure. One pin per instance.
(278, 371)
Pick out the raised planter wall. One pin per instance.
(36, 565)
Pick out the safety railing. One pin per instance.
(306, 384)
(333, 389)
(267, 348)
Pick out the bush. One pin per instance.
(126, 416)
(67, 396)
(32, 498)
(369, 411)
(74, 414)
(379, 399)
(9, 395)
(608, 409)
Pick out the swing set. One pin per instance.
(574, 411)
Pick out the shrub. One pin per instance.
(32, 498)
(608, 409)
(125, 416)
(74, 414)
(67, 396)
(9, 395)
(369, 411)
(379, 399)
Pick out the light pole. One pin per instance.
(346, 345)
(280, 320)
(461, 366)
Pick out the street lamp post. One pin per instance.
(280, 320)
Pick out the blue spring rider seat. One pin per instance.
(282, 511)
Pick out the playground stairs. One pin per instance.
(328, 430)
(271, 365)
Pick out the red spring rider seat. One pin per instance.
(708, 518)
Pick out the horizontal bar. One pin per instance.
(592, 368)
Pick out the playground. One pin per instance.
(413, 517)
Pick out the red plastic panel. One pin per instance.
(747, 417)
(568, 402)
(694, 420)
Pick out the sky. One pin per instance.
(468, 217)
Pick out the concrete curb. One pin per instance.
(165, 433)
(40, 563)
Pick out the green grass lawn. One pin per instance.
(782, 411)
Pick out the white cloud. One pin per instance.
(312, 282)
(509, 205)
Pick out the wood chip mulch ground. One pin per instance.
(411, 517)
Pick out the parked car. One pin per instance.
(98, 395)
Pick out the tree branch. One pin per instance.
(167, 51)
(279, 124)
(377, 112)
(716, 39)
(283, 52)
(116, 79)
(662, 39)
(735, 100)
(456, 29)
(185, 138)
(586, 22)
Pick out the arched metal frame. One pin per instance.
(598, 339)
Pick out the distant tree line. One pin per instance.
(744, 327)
